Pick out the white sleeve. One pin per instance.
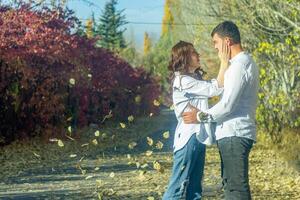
(201, 88)
(234, 82)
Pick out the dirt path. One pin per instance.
(135, 174)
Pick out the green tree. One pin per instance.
(110, 27)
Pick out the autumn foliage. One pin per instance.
(40, 54)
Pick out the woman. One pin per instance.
(190, 139)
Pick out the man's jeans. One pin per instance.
(187, 172)
(234, 153)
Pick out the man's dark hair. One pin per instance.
(228, 29)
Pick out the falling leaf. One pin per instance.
(159, 145)
(151, 114)
(149, 153)
(149, 141)
(83, 172)
(172, 107)
(138, 99)
(73, 155)
(130, 118)
(156, 102)
(123, 125)
(97, 133)
(86, 144)
(96, 168)
(53, 140)
(37, 155)
(95, 142)
(166, 134)
(70, 129)
(88, 177)
(72, 81)
(60, 143)
(132, 145)
(90, 75)
(112, 175)
(69, 119)
(128, 156)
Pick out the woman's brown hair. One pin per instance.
(181, 57)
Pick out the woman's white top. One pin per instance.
(188, 90)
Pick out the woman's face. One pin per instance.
(194, 64)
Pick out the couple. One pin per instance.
(234, 115)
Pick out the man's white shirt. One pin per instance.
(235, 112)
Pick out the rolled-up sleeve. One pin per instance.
(234, 83)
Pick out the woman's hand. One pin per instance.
(224, 54)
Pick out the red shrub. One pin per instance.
(39, 54)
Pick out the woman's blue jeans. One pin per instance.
(187, 172)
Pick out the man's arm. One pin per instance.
(233, 87)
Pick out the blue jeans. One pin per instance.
(187, 172)
(234, 152)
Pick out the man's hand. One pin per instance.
(191, 116)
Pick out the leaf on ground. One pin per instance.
(112, 175)
(149, 153)
(88, 177)
(73, 155)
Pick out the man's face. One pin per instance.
(217, 42)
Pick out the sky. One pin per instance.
(137, 13)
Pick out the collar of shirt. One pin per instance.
(236, 57)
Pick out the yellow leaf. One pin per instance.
(137, 165)
(97, 133)
(137, 99)
(166, 134)
(144, 166)
(149, 141)
(60, 143)
(123, 125)
(88, 177)
(150, 198)
(86, 144)
(132, 145)
(95, 142)
(159, 145)
(72, 81)
(130, 118)
(73, 155)
(112, 175)
(70, 129)
(157, 166)
(156, 103)
(149, 153)
(96, 168)
(151, 114)
(172, 107)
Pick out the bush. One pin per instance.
(51, 75)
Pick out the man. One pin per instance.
(234, 113)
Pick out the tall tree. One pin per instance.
(147, 43)
(109, 28)
(168, 19)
